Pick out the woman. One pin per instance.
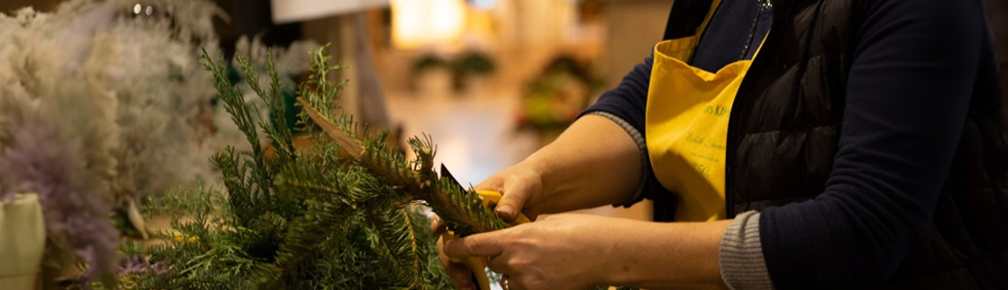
(810, 144)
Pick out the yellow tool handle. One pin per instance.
(476, 265)
(492, 198)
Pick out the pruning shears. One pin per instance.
(477, 265)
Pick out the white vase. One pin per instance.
(22, 242)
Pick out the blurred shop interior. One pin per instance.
(490, 80)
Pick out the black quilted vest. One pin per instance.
(785, 125)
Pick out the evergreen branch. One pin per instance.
(398, 237)
(350, 145)
(282, 133)
(462, 210)
(318, 91)
(414, 249)
(393, 167)
(310, 186)
(289, 179)
(239, 187)
(424, 150)
(389, 165)
(234, 104)
(316, 181)
(303, 238)
(277, 128)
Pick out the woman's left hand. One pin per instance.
(564, 251)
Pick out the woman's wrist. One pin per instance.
(537, 166)
(664, 255)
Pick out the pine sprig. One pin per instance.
(462, 210)
(393, 167)
(276, 127)
(342, 214)
(234, 104)
(320, 93)
(302, 241)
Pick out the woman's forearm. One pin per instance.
(593, 163)
(668, 255)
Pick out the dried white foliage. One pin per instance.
(37, 60)
(100, 106)
(128, 85)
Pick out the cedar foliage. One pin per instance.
(310, 218)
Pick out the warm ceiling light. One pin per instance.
(287, 11)
(423, 22)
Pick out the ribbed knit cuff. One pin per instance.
(742, 263)
(641, 145)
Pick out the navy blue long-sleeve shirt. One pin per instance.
(915, 66)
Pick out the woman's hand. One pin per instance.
(522, 189)
(572, 251)
(566, 251)
(593, 163)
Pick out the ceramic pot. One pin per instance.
(22, 242)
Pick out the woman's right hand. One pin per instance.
(593, 163)
(522, 191)
(521, 187)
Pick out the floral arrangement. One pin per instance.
(101, 103)
(554, 98)
(461, 67)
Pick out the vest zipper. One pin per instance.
(745, 89)
(763, 6)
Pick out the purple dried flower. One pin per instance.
(134, 265)
(140, 265)
(159, 268)
(41, 159)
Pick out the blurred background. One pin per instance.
(491, 80)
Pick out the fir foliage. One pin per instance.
(342, 214)
(313, 218)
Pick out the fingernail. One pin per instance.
(504, 211)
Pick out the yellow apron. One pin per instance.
(687, 127)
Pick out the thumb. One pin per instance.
(478, 245)
(513, 199)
